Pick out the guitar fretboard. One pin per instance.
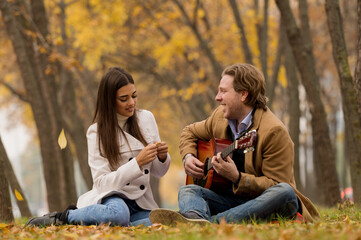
(246, 141)
(228, 150)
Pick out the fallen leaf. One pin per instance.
(62, 140)
(18, 196)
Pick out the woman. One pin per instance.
(124, 148)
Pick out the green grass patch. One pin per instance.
(341, 222)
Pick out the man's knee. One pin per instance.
(189, 188)
(286, 189)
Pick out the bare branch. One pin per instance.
(21, 96)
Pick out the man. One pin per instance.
(262, 183)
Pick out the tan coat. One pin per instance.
(271, 162)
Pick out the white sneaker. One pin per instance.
(170, 217)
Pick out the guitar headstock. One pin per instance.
(247, 141)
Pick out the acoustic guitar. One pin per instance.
(206, 151)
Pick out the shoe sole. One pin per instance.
(170, 217)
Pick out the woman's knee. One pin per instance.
(118, 212)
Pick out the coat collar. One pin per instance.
(133, 142)
(257, 117)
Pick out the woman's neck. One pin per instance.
(122, 120)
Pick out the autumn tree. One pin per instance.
(357, 78)
(349, 105)
(31, 48)
(14, 184)
(6, 213)
(323, 152)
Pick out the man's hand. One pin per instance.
(225, 167)
(193, 167)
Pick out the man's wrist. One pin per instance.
(239, 178)
(185, 157)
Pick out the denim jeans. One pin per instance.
(279, 199)
(113, 210)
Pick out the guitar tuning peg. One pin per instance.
(245, 151)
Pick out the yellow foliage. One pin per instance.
(59, 41)
(42, 49)
(165, 92)
(95, 32)
(137, 10)
(181, 40)
(3, 225)
(200, 13)
(282, 79)
(9, 77)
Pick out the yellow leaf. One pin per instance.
(42, 49)
(18, 196)
(3, 225)
(70, 235)
(62, 140)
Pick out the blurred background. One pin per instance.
(53, 53)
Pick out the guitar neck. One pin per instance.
(228, 150)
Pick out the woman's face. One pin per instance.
(126, 99)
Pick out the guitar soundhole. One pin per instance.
(205, 168)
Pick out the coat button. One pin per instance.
(141, 187)
(146, 171)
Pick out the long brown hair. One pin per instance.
(249, 78)
(106, 115)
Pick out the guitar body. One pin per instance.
(206, 151)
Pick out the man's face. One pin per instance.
(232, 101)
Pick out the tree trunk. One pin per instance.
(293, 109)
(58, 173)
(323, 152)
(272, 82)
(264, 41)
(242, 33)
(14, 183)
(73, 122)
(349, 106)
(357, 79)
(6, 212)
(49, 90)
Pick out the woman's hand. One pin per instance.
(162, 150)
(147, 155)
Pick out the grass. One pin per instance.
(341, 222)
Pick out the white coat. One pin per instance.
(128, 180)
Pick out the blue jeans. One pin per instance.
(113, 210)
(279, 199)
